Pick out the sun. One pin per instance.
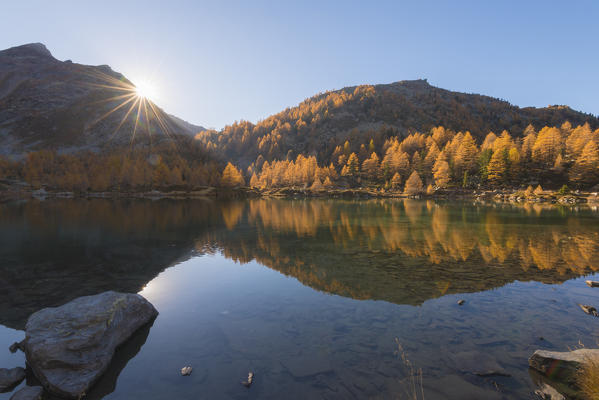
(138, 99)
(145, 90)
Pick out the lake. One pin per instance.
(331, 299)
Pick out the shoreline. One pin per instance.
(515, 196)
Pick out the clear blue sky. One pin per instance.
(214, 62)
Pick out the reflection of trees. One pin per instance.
(408, 251)
(400, 251)
(439, 232)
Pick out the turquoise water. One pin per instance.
(319, 298)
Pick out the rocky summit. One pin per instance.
(69, 347)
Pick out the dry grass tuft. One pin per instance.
(588, 379)
(415, 389)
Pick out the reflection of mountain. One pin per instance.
(403, 252)
(55, 251)
(410, 251)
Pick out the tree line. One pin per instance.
(119, 171)
(419, 162)
(442, 159)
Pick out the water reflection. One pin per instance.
(403, 252)
(409, 251)
(55, 251)
(225, 319)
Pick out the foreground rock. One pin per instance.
(548, 389)
(9, 378)
(562, 366)
(70, 347)
(28, 393)
(589, 310)
(547, 392)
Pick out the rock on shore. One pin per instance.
(562, 366)
(10, 378)
(28, 393)
(70, 347)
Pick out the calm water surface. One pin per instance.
(320, 298)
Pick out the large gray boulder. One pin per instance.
(70, 347)
(9, 378)
(28, 393)
(562, 366)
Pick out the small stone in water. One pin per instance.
(460, 302)
(248, 383)
(15, 346)
(185, 371)
(589, 310)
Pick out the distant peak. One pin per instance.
(413, 83)
(30, 49)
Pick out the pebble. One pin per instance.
(248, 383)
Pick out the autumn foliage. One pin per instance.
(445, 159)
(419, 162)
(125, 172)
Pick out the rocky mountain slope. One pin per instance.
(50, 104)
(361, 113)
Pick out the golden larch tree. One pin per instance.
(441, 173)
(585, 169)
(396, 181)
(370, 167)
(466, 155)
(497, 168)
(232, 177)
(352, 167)
(414, 184)
(547, 146)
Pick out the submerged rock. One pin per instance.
(70, 347)
(589, 310)
(248, 383)
(562, 366)
(185, 371)
(16, 346)
(477, 363)
(9, 378)
(28, 393)
(304, 366)
(547, 392)
(548, 389)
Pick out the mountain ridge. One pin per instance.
(358, 113)
(46, 103)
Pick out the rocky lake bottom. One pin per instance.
(326, 299)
